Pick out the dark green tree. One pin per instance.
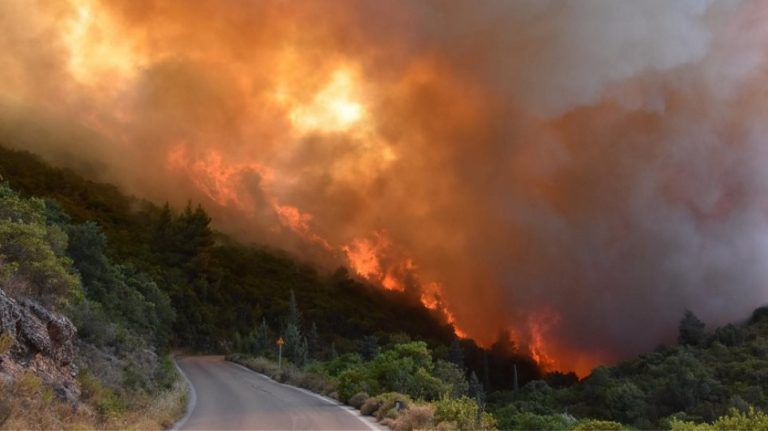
(475, 389)
(263, 340)
(691, 330)
(369, 347)
(455, 354)
(313, 343)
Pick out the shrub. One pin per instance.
(356, 380)
(317, 383)
(358, 399)
(380, 405)
(735, 420)
(464, 412)
(532, 421)
(389, 405)
(598, 425)
(415, 418)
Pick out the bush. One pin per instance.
(358, 399)
(381, 405)
(464, 412)
(598, 425)
(735, 420)
(356, 380)
(532, 421)
(415, 418)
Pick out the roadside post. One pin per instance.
(280, 343)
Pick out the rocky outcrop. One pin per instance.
(40, 341)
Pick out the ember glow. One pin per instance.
(574, 174)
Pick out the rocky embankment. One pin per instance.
(37, 340)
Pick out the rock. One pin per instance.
(42, 343)
(66, 393)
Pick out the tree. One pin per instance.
(263, 341)
(476, 389)
(369, 347)
(455, 354)
(691, 330)
(293, 344)
(313, 343)
(453, 376)
(294, 315)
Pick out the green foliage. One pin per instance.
(598, 425)
(453, 377)
(464, 412)
(355, 380)
(697, 381)
(691, 330)
(33, 252)
(750, 420)
(508, 420)
(358, 399)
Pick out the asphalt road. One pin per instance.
(229, 397)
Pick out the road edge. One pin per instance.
(372, 425)
(191, 399)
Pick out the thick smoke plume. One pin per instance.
(575, 172)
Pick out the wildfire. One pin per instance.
(335, 108)
(538, 325)
(96, 47)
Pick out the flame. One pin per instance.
(538, 326)
(363, 256)
(335, 108)
(96, 48)
(222, 183)
(390, 282)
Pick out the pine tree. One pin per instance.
(303, 353)
(263, 342)
(691, 330)
(293, 345)
(476, 389)
(293, 338)
(486, 372)
(334, 354)
(294, 315)
(313, 343)
(237, 343)
(456, 355)
(369, 347)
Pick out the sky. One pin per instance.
(576, 173)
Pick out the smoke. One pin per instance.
(577, 173)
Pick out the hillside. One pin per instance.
(221, 290)
(700, 379)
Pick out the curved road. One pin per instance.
(227, 396)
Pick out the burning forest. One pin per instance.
(573, 174)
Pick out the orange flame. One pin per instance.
(538, 326)
(363, 257)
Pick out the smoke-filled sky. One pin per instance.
(575, 172)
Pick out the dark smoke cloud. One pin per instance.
(583, 170)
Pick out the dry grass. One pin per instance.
(159, 413)
(418, 417)
(6, 342)
(33, 406)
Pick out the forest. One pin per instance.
(134, 276)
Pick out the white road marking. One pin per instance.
(191, 402)
(350, 410)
